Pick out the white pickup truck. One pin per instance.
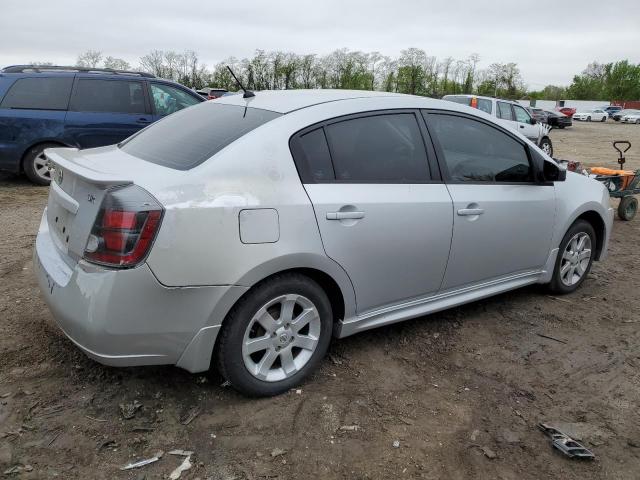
(512, 114)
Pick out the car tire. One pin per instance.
(627, 208)
(637, 122)
(35, 165)
(546, 146)
(604, 119)
(571, 268)
(588, 119)
(262, 372)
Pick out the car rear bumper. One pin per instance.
(126, 317)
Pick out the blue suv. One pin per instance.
(44, 107)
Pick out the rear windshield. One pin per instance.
(187, 138)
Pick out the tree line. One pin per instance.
(413, 72)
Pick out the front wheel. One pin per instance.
(275, 336)
(627, 208)
(588, 119)
(604, 119)
(546, 146)
(575, 257)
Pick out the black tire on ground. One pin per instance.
(561, 127)
(33, 159)
(230, 360)
(604, 119)
(588, 119)
(556, 285)
(627, 208)
(546, 146)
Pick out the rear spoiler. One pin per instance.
(71, 159)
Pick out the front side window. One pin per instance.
(39, 93)
(378, 149)
(477, 152)
(108, 96)
(521, 115)
(191, 136)
(504, 111)
(167, 99)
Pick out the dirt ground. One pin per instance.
(461, 391)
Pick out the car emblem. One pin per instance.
(59, 176)
(91, 197)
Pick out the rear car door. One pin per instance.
(384, 214)
(106, 111)
(167, 99)
(503, 219)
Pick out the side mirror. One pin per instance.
(553, 173)
(533, 121)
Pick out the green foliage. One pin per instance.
(610, 81)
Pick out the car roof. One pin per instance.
(285, 101)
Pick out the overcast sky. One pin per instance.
(550, 40)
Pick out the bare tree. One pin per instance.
(89, 59)
(116, 63)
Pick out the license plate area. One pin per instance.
(60, 224)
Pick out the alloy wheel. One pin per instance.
(575, 259)
(42, 167)
(281, 337)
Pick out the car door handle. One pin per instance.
(144, 120)
(521, 126)
(470, 211)
(344, 215)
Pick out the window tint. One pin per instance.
(504, 111)
(39, 93)
(521, 114)
(378, 149)
(114, 96)
(477, 152)
(189, 137)
(313, 160)
(167, 99)
(484, 105)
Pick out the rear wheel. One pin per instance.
(575, 257)
(604, 119)
(35, 165)
(275, 336)
(627, 208)
(588, 119)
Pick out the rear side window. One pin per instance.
(114, 96)
(504, 111)
(484, 105)
(189, 137)
(378, 149)
(476, 152)
(312, 156)
(39, 93)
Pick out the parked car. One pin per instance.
(568, 111)
(245, 233)
(611, 109)
(42, 107)
(212, 93)
(621, 113)
(631, 118)
(538, 113)
(558, 119)
(596, 115)
(512, 114)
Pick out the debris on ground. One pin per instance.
(142, 463)
(396, 444)
(183, 467)
(566, 444)
(474, 435)
(350, 428)
(489, 453)
(18, 469)
(129, 410)
(191, 414)
(184, 453)
(277, 452)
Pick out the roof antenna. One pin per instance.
(247, 93)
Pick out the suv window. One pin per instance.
(522, 115)
(477, 152)
(167, 99)
(504, 111)
(384, 148)
(41, 93)
(113, 96)
(191, 136)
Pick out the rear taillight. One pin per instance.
(474, 102)
(125, 228)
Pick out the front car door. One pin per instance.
(105, 111)
(525, 126)
(383, 213)
(503, 220)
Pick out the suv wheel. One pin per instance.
(575, 258)
(275, 336)
(546, 146)
(35, 165)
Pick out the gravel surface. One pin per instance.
(456, 395)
